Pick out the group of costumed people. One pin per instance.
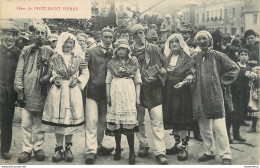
(105, 91)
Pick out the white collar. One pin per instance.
(6, 45)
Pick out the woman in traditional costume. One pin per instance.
(123, 94)
(63, 111)
(177, 107)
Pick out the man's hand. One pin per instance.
(189, 78)
(83, 65)
(57, 82)
(252, 62)
(163, 71)
(180, 84)
(73, 82)
(150, 79)
(44, 79)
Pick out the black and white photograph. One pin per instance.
(158, 82)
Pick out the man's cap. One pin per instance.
(9, 26)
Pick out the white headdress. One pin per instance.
(77, 51)
(183, 44)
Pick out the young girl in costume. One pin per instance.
(123, 94)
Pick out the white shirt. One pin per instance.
(173, 60)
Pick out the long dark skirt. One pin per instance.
(177, 107)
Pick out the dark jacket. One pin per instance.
(97, 61)
(8, 64)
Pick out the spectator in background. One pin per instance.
(23, 40)
(9, 55)
(124, 34)
(151, 35)
(71, 30)
(253, 47)
(233, 51)
(253, 51)
(82, 40)
(178, 22)
(91, 43)
(167, 28)
(53, 39)
(240, 97)
(30, 82)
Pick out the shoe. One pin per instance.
(239, 138)
(174, 150)
(230, 139)
(102, 151)
(117, 155)
(245, 124)
(205, 158)
(90, 158)
(39, 155)
(162, 159)
(143, 151)
(226, 162)
(68, 154)
(252, 130)
(6, 155)
(24, 157)
(198, 137)
(183, 155)
(58, 155)
(131, 159)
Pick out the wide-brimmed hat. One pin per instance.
(122, 43)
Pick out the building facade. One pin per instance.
(229, 16)
(251, 15)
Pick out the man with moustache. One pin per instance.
(150, 59)
(96, 105)
(9, 55)
(30, 82)
(215, 71)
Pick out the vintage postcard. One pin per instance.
(79, 82)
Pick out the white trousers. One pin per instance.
(95, 124)
(219, 128)
(32, 139)
(156, 118)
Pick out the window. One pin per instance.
(233, 31)
(211, 15)
(216, 15)
(198, 19)
(207, 15)
(220, 14)
(242, 11)
(255, 19)
(188, 16)
(241, 30)
(234, 12)
(203, 17)
(225, 14)
(225, 30)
